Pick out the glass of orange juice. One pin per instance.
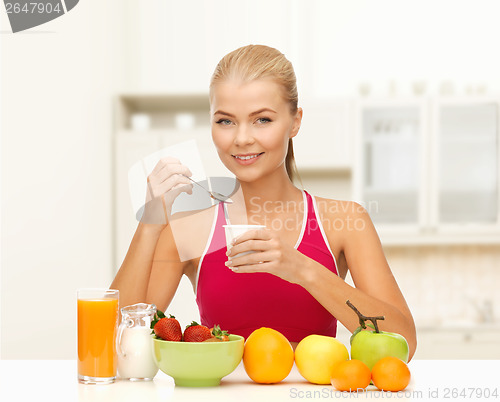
(97, 324)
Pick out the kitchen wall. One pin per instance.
(58, 83)
(449, 285)
(56, 125)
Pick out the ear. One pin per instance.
(296, 123)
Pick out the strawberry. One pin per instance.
(195, 332)
(166, 328)
(219, 333)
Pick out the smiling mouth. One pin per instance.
(247, 157)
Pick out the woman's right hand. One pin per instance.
(164, 184)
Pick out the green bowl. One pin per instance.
(198, 364)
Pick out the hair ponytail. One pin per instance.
(291, 167)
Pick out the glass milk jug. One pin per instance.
(134, 345)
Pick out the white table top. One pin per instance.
(55, 380)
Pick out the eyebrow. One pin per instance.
(251, 114)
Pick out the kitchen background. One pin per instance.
(401, 104)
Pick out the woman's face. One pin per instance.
(251, 126)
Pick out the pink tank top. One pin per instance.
(243, 302)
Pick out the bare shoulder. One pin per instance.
(342, 218)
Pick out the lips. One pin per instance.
(247, 159)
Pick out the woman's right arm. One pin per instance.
(165, 183)
(133, 277)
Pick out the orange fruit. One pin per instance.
(391, 374)
(267, 356)
(351, 375)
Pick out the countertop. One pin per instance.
(55, 380)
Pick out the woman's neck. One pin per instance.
(264, 198)
(276, 187)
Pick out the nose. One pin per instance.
(243, 136)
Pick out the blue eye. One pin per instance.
(263, 120)
(224, 122)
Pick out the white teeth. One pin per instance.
(246, 157)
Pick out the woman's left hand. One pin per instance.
(270, 254)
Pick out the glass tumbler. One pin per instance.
(97, 324)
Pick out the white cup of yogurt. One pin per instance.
(234, 231)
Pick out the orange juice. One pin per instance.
(97, 320)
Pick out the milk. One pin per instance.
(135, 354)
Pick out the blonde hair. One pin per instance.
(254, 62)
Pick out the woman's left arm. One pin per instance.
(376, 291)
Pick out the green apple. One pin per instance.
(371, 346)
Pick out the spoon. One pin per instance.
(215, 195)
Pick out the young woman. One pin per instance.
(293, 280)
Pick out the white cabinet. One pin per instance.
(429, 167)
(390, 174)
(465, 164)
